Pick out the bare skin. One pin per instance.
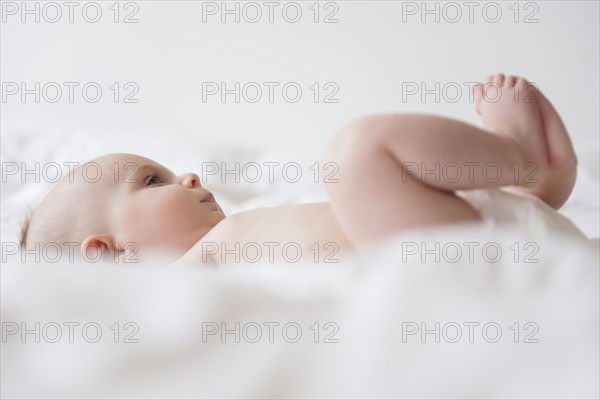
(381, 189)
(371, 200)
(277, 233)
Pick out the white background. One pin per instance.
(369, 53)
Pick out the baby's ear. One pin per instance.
(97, 247)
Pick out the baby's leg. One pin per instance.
(556, 188)
(379, 191)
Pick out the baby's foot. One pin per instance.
(557, 178)
(562, 167)
(510, 107)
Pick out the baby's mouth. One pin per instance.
(208, 198)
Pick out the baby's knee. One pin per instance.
(358, 139)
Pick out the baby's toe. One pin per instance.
(523, 83)
(478, 95)
(511, 81)
(499, 79)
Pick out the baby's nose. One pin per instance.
(191, 180)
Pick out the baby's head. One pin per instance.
(134, 201)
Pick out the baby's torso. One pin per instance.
(288, 234)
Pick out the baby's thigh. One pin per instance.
(373, 197)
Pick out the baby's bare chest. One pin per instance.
(306, 232)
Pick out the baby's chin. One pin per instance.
(215, 208)
(212, 207)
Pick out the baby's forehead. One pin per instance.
(123, 160)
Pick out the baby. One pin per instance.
(377, 192)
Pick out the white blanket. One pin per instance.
(505, 329)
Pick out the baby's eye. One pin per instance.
(153, 181)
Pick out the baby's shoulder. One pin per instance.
(234, 228)
(248, 219)
(298, 223)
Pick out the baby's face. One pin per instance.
(145, 203)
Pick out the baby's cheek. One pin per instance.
(147, 212)
(164, 218)
(174, 209)
(173, 202)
